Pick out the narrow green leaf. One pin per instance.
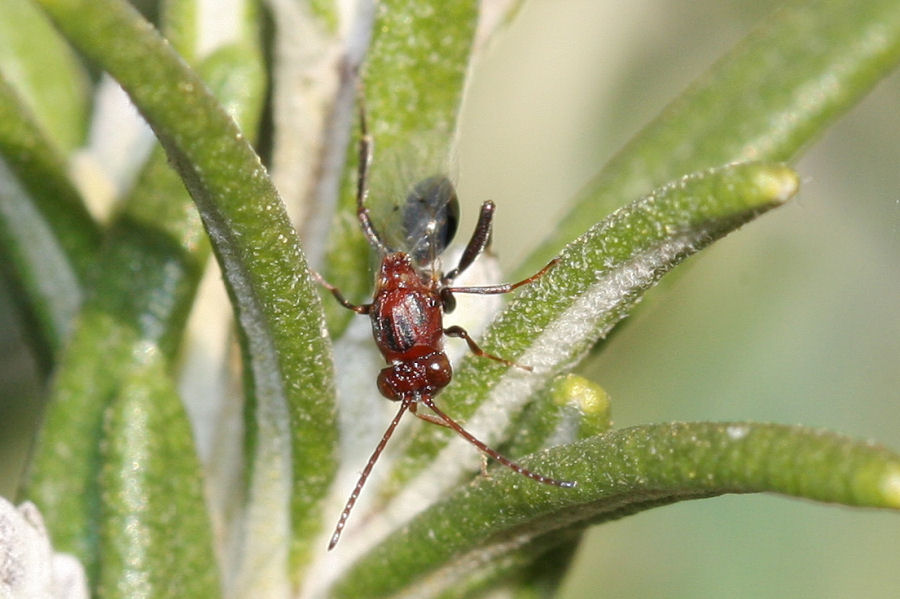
(179, 20)
(413, 78)
(277, 308)
(236, 74)
(46, 74)
(42, 171)
(554, 322)
(148, 272)
(598, 280)
(66, 460)
(195, 30)
(414, 72)
(765, 100)
(570, 408)
(533, 571)
(141, 301)
(48, 239)
(155, 535)
(620, 473)
(37, 269)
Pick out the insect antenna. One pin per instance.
(492, 453)
(342, 521)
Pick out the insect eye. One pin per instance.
(430, 217)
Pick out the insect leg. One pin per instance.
(481, 238)
(342, 521)
(359, 309)
(427, 417)
(461, 333)
(366, 149)
(492, 453)
(504, 288)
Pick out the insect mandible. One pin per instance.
(409, 301)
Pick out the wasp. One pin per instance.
(411, 296)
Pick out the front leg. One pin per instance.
(359, 309)
(365, 152)
(480, 239)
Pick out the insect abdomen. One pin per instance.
(404, 319)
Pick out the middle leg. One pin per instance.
(461, 333)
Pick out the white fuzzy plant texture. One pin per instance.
(29, 567)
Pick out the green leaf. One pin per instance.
(767, 99)
(533, 571)
(413, 78)
(48, 239)
(181, 26)
(144, 286)
(429, 537)
(155, 532)
(554, 322)
(150, 270)
(66, 459)
(600, 276)
(51, 82)
(288, 368)
(570, 408)
(620, 473)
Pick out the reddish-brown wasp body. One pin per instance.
(410, 299)
(407, 323)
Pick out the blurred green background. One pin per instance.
(791, 320)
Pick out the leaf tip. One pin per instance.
(890, 487)
(587, 395)
(778, 182)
